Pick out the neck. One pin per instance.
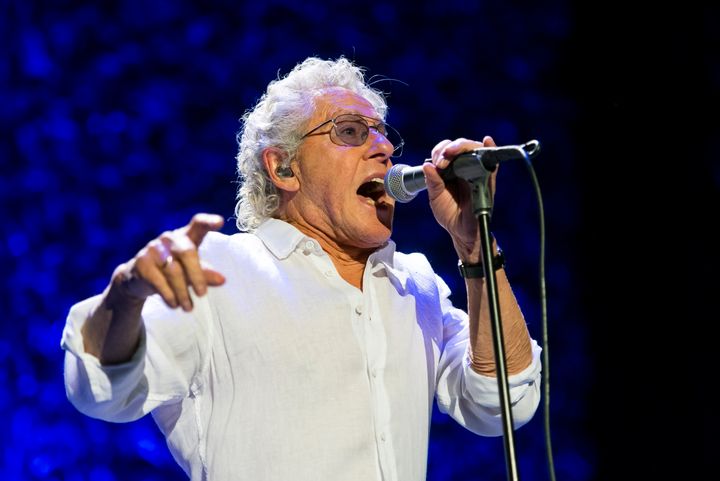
(348, 260)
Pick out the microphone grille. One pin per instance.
(395, 186)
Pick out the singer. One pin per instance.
(306, 347)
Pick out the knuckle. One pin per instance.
(185, 253)
(144, 252)
(440, 145)
(174, 269)
(142, 262)
(166, 236)
(155, 249)
(186, 247)
(198, 220)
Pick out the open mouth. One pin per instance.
(373, 191)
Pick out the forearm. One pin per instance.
(518, 350)
(451, 203)
(112, 332)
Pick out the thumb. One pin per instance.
(201, 224)
(435, 184)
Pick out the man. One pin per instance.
(307, 348)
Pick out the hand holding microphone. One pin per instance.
(403, 182)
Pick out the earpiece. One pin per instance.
(284, 172)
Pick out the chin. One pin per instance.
(373, 230)
(377, 236)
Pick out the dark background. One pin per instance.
(117, 121)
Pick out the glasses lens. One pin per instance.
(351, 130)
(354, 130)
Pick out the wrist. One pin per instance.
(471, 253)
(468, 253)
(477, 270)
(123, 290)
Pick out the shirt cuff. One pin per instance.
(484, 390)
(105, 382)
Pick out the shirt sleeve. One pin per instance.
(172, 351)
(471, 398)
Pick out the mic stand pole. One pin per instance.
(482, 208)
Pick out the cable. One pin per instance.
(544, 326)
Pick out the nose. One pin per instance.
(380, 143)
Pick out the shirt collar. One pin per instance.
(282, 239)
(384, 258)
(279, 237)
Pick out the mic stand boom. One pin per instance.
(482, 208)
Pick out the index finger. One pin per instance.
(201, 224)
(458, 146)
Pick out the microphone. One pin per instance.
(403, 182)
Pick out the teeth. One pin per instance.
(373, 194)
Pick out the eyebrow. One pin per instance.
(351, 112)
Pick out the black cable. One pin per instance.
(544, 326)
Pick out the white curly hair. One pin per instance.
(279, 119)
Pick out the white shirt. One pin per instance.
(287, 372)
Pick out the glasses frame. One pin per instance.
(364, 118)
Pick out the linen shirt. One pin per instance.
(287, 372)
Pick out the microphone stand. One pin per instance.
(403, 184)
(482, 208)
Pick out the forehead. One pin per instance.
(336, 100)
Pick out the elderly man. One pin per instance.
(306, 348)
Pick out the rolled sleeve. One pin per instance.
(524, 389)
(472, 399)
(172, 348)
(90, 386)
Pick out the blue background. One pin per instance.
(118, 122)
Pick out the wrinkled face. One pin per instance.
(341, 189)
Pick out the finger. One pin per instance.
(437, 156)
(149, 279)
(175, 276)
(201, 224)
(458, 146)
(185, 253)
(438, 148)
(193, 271)
(489, 142)
(183, 245)
(212, 277)
(157, 251)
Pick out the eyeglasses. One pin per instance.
(354, 129)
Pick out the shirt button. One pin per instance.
(382, 437)
(374, 372)
(328, 273)
(309, 245)
(358, 310)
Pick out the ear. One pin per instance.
(280, 175)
